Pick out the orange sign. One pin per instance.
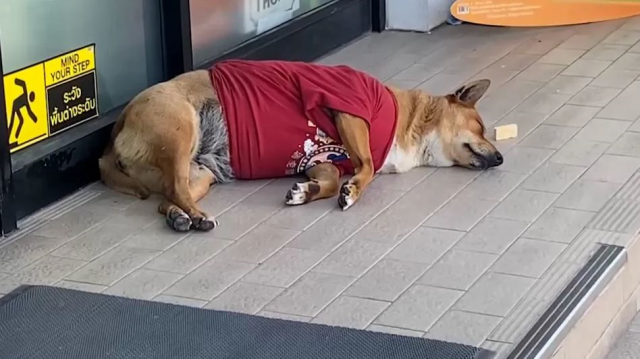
(529, 13)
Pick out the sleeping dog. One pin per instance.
(244, 120)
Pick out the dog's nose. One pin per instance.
(499, 159)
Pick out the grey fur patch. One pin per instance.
(213, 151)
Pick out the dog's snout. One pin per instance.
(499, 159)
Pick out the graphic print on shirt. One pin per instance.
(320, 149)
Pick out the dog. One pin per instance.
(243, 120)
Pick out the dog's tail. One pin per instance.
(112, 173)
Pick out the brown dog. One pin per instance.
(266, 119)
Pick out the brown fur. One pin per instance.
(154, 142)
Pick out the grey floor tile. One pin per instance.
(586, 195)
(497, 76)
(26, 250)
(308, 296)
(553, 177)
(458, 269)
(578, 152)
(461, 213)
(463, 327)
(441, 84)
(551, 137)
(351, 312)
(628, 61)
(188, 254)
(396, 331)
(580, 42)
(603, 130)
(283, 316)
(353, 258)
(622, 37)
(492, 185)
(402, 181)
(572, 115)
(113, 265)
(624, 107)
(528, 258)
(284, 268)
(387, 280)
(112, 199)
(222, 198)
(524, 160)
(138, 215)
(559, 225)
(494, 294)
(627, 347)
(515, 61)
(523, 205)
(417, 72)
(615, 78)
(627, 145)
(45, 271)
(243, 217)
(244, 298)
(84, 287)
(501, 349)
(419, 308)
(561, 56)
(301, 217)
(189, 302)
(543, 102)
(506, 97)
(594, 96)
(157, 236)
(95, 242)
(143, 284)
(258, 245)
(492, 235)
(75, 222)
(541, 72)
(567, 85)
(614, 169)
(425, 245)
(209, 280)
(606, 52)
(586, 68)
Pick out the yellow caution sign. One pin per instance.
(50, 97)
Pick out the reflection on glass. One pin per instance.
(219, 25)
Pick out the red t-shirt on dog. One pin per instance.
(277, 116)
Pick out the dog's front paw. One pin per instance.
(298, 194)
(205, 224)
(348, 195)
(179, 221)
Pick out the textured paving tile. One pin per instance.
(615, 169)
(243, 217)
(308, 296)
(26, 250)
(209, 280)
(387, 280)
(525, 159)
(458, 269)
(572, 115)
(622, 37)
(627, 145)
(75, 222)
(463, 327)
(425, 245)
(561, 56)
(586, 195)
(594, 96)
(461, 213)
(627, 347)
(351, 312)
(541, 72)
(258, 245)
(492, 186)
(419, 308)
(559, 225)
(95, 242)
(628, 61)
(113, 265)
(551, 137)
(45, 271)
(624, 106)
(353, 258)
(603, 130)
(579, 152)
(402, 181)
(143, 284)
(188, 254)
(300, 217)
(523, 205)
(605, 52)
(528, 257)
(615, 78)
(494, 294)
(157, 236)
(586, 68)
(552, 177)
(515, 61)
(244, 298)
(492, 235)
(284, 267)
(566, 85)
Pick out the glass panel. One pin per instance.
(219, 25)
(127, 34)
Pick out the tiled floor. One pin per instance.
(455, 254)
(628, 346)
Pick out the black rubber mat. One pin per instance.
(39, 322)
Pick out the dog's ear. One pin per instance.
(472, 92)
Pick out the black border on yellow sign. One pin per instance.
(42, 62)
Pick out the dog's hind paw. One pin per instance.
(179, 221)
(205, 224)
(298, 194)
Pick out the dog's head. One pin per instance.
(460, 130)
